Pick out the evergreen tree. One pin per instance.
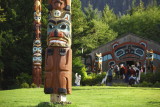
(78, 26)
(108, 15)
(143, 22)
(91, 13)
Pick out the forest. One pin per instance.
(118, 6)
(90, 29)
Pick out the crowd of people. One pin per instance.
(130, 74)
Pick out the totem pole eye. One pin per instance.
(34, 49)
(63, 26)
(51, 26)
(40, 48)
(35, 18)
(39, 58)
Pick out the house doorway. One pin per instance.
(130, 63)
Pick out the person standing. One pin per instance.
(110, 74)
(122, 71)
(116, 69)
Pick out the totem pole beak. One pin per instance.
(56, 33)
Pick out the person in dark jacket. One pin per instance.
(122, 70)
(110, 74)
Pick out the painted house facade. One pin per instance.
(128, 50)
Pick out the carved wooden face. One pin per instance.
(150, 55)
(37, 17)
(98, 58)
(58, 4)
(37, 42)
(37, 59)
(37, 49)
(58, 32)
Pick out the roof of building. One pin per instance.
(123, 36)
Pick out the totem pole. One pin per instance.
(58, 55)
(98, 62)
(149, 60)
(37, 50)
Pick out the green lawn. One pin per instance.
(94, 96)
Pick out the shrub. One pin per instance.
(25, 85)
(79, 67)
(135, 85)
(93, 79)
(150, 77)
(23, 78)
(157, 84)
(144, 84)
(119, 84)
(41, 86)
(87, 81)
(33, 85)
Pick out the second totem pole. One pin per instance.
(58, 55)
(37, 50)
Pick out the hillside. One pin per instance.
(117, 5)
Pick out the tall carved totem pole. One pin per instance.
(149, 60)
(37, 50)
(98, 63)
(58, 55)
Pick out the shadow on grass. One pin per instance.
(150, 88)
(48, 104)
(154, 102)
(76, 89)
(45, 104)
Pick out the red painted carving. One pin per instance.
(60, 4)
(37, 50)
(37, 6)
(58, 67)
(37, 75)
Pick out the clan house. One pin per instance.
(128, 50)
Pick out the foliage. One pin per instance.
(25, 85)
(157, 84)
(120, 84)
(23, 78)
(147, 84)
(93, 79)
(149, 80)
(142, 22)
(78, 27)
(97, 33)
(108, 16)
(79, 68)
(2, 15)
(150, 77)
(33, 85)
(41, 86)
(91, 13)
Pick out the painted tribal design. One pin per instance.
(58, 32)
(98, 62)
(37, 51)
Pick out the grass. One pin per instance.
(89, 96)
